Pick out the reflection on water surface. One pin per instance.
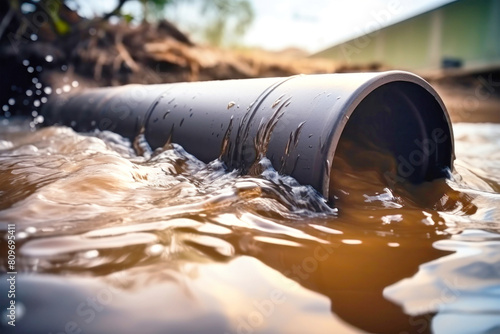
(114, 242)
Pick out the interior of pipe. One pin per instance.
(399, 131)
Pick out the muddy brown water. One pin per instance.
(109, 241)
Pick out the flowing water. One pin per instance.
(112, 241)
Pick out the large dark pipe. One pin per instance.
(296, 122)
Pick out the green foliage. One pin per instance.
(128, 17)
(52, 7)
(228, 19)
(221, 21)
(155, 9)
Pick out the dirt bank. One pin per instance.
(36, 60)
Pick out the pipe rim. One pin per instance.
(362, 92)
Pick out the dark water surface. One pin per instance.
(109, 241)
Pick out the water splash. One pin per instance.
(174, 226)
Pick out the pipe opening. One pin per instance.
(398, 133)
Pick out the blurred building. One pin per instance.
(462, 34)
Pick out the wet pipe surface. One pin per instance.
(111, 241)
